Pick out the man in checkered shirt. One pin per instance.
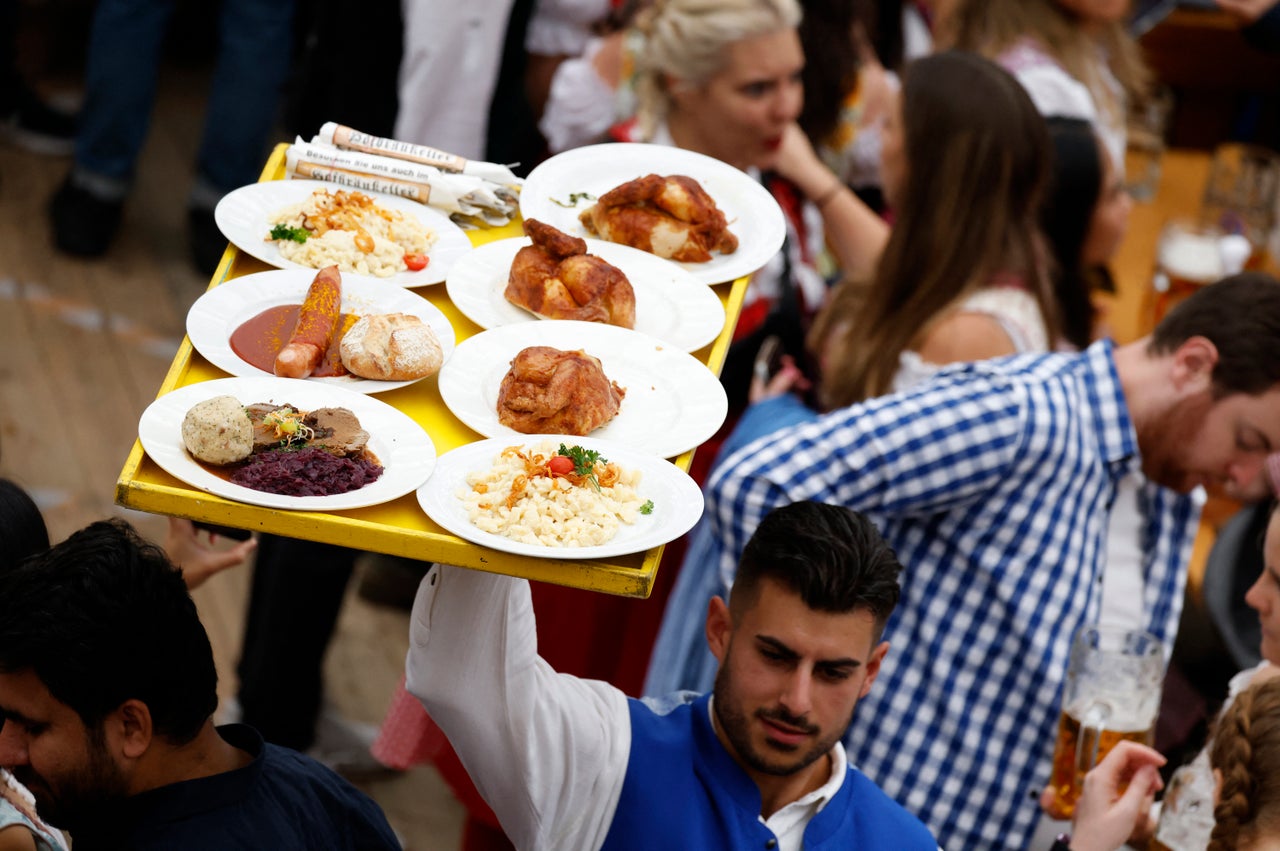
(994, 483)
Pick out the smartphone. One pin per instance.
(768, 359)
(223, 531)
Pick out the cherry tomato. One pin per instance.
(416, 261)
(560, 465)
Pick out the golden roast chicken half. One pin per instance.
(672, 217)
(556, 278)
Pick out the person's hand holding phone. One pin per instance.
(775, 373)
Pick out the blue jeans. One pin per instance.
(255, 41)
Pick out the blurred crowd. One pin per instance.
(937, 470)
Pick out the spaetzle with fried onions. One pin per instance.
(520, 498)
(352, 230)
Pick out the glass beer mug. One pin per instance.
(1240, 197)
(1112, 693)
(1191, 255)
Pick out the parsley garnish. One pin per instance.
(647, 508)
(574, 198)
(584, 462)
(286, 232)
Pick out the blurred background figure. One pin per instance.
(1074, 57)
(254, 51)
(26, 119)
(1084, 217)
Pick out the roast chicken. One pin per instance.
(672, 217)
(556, 392)
(556, 278)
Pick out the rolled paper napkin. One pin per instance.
(454, 193)
(353, 140)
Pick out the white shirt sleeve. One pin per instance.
(562, 27)
(1055, 92)
(580, 105)
(547, 751)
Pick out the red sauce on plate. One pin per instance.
(258, 340)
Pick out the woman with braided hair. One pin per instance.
(1243, 758)
(1246, 762)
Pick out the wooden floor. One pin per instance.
(83, 349)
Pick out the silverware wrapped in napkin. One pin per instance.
(467, 189)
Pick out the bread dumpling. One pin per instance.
(218, 431)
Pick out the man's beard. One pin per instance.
(77, 798)
(737, 729)
(1163, 443)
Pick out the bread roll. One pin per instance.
(391, 347)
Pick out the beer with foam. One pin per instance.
(1112, 693)
(1078, 748)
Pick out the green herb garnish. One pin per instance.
(584, 462)
(647, 508)
(574, 198)
(286, 232)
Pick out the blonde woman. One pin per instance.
(723, 78)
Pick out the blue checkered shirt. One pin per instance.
(993, 482)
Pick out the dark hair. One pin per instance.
(830, 62)
(1075, 185)
(104, 617)
(1240, 315)
(22, 529)
(831, 556)
(1246, 749)
(977, 155)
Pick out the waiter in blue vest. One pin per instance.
(571, 764)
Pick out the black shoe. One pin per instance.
(207, 242)
(32, 124)
(83, 223)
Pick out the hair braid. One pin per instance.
(1232, 756)
(1246, 751)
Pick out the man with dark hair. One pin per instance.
(995, 482)
(571, 764)
(107, 688)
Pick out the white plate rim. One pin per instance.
(242, 216)
(406, 451)
(682, 501)
(599, 168)
(472, 377)
(220, 310)
(663, 289)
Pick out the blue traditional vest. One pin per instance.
(684, 791)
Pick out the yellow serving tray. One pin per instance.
(398, 527)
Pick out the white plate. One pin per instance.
(243, 216)
(671, 304)
(677, 500)
(673, 402)
(753, 215)
(405, 451)
(221, 310)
